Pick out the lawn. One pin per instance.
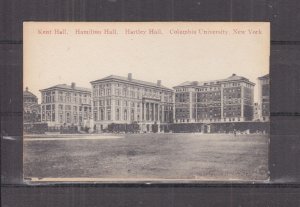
(149, 156)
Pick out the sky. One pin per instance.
(170, 56)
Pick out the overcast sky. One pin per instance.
(51, 59)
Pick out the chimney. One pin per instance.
(159, 82)
(26, 88)
(233, 74)
(73, 85)
(130, 76)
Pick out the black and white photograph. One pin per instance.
(151, 101)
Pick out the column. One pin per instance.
(150, 111)
(147, 111)
(135, 111)
(154, 112)
(143, 112)
(157, 112)
(163, 113)
(105, 107)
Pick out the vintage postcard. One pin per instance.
(146, 101)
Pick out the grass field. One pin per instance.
(151, 156)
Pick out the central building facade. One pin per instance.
(224, 100)
(124, 100)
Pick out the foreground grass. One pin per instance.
(152, 156)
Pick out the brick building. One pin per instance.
(224, 100)
(124, 100)
(66, 105)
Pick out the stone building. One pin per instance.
(224, 100)
(31, 108)
(256, 112)
(66, 105)
(124, 100)
(264, 97)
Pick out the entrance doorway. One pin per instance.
(206, 128)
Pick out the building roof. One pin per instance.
(68, 87)
(31, 105)
(115, 77)
(264, 77)
(27, 93)
(233, 77)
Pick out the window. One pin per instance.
(68, 118)
(48, 116)
(101, 115)
(48, 99)
(53, 116)
(132, 115)
(108, 115)
(75, 119)
(117, 91)
(68, 98)
(68, 108)
(118, 114)
(108, 91)
(125, 115)
(53, 97)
